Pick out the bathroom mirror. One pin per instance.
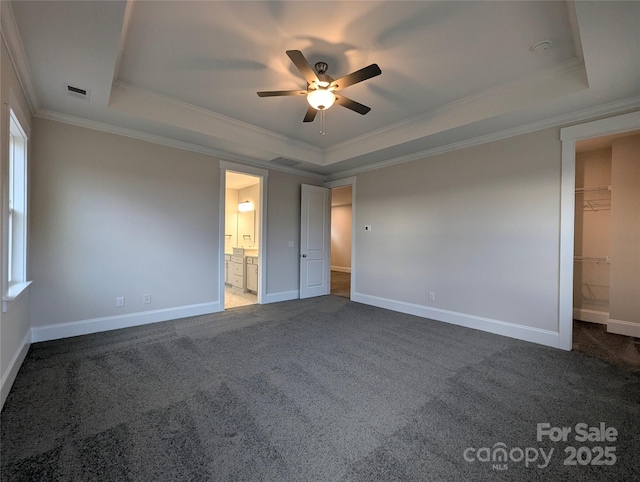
(247, 229)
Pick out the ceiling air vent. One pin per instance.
(77, 92)
(281, 161)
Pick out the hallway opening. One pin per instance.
(341, 239)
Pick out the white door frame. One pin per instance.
(349, 181)
(263, 174)
(569, 136)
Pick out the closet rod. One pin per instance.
(590, 189)
(601, 259)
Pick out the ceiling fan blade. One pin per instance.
(310, 115)
(357, 76)
(303, 65)
(352, 104)
(277, 93)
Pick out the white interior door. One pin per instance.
(315, 242)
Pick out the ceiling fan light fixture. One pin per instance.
(321, 87)
(321, 99)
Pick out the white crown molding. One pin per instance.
(232, 128)
(578, 116)
(267, 165)
(465, 110)
(612, 108)
(13, 41)
(602, 127)
(161, 108)
(341, 182)
(564, 78)
(165, 141)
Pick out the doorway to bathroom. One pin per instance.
(243, 255)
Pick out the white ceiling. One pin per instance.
(236, 180)
(187, 73)
(341, 196)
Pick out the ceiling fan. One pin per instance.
(321, 88)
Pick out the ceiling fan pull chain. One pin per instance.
(322, 118)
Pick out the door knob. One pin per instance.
(304, 255)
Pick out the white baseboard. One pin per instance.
(95, 325)
(341, 269)
(282, 296)
(526, 333)
(591, 316)
(9, 376)
(621, 327)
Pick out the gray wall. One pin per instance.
(625, 230)
(114, 216)
(479, 227)
(283, 225)
(14, 323)
(341, 223)
(341, 227)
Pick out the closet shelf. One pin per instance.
(596, 198)
(593, 189)
(597, 204)
(592, 259)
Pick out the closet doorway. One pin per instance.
(592, 246)
(607, 247)
(619, 126)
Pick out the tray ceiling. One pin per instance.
(189, 71)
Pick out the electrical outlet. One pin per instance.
(291, 244)
(120, 301)
(146, 299)
(432, 296)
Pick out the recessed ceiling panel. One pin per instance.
(217, 55)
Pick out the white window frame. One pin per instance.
(16, 226)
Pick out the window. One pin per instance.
(16, 230)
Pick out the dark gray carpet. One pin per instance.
(320, 389)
